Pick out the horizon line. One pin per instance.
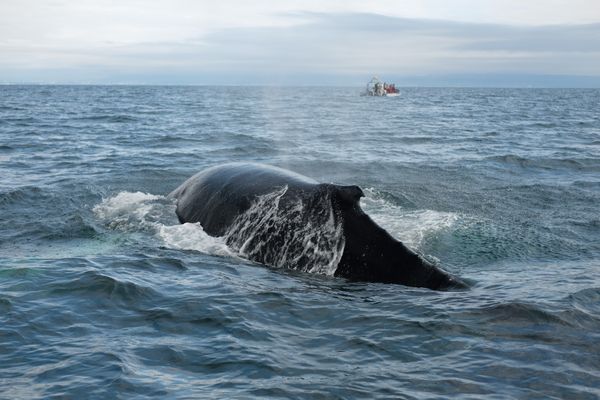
(307, 85)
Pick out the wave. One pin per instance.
(11, 108)
(20, 194)
(5, 304)
(518, 319)
(108, 118)
(587, 301)
(517, 311)
(22, 121)
(540, 124)
(36, 216)
(590, 223)
(579, 164)
(94, 282)
(74, 226)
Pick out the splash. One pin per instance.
(127, 210)
(302, 233)
(143, 212)
(411, 227)
(192, 237)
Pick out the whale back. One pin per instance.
(282, 219)
(216, 196)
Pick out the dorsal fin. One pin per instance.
(349, 194)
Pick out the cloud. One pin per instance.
(363, 43)
(318, 46)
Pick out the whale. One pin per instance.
(283, 219)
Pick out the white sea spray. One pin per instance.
(412, 227)
(137, 211)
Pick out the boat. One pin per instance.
(375, 87)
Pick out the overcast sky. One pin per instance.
(471, 42)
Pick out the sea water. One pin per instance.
(103, 294)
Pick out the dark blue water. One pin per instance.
(104, 295)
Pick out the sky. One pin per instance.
(414, 42)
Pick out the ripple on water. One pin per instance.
(111, 118)
(104, 294)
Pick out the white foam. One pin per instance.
(410, 226)
(126, 209)
(192, 237)
(137, 211)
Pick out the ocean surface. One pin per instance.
(103, 294)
